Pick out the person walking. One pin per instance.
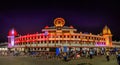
(107, 56)
(65, 56)
(118, 58)
(87, 54)
(91, 54)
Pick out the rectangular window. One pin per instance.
(41, 42)
(67, 36)
(56, 41)
(60, 36)
(71, 36)
(41, 36)
(64, 36)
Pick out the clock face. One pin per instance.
(59, 22)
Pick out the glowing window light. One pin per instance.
(100, 44)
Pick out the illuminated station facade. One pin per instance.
(59, 36)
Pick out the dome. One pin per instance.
(46, 26)
(71, 26)
(12, 32)
(106, 30)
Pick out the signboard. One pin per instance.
(57, 51)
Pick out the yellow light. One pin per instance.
(59, 22)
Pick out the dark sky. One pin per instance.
(86, 16)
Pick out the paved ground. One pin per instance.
(9, 60)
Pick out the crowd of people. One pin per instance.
(66, 56)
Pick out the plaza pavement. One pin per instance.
(11, 60)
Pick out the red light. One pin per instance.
(46, 27)
(12, 32)
(71, 26)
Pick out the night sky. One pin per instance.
(86, 16)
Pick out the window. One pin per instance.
(53, 41)
(31, 37)
(44, 41)
(45, 36)
(75, 36)
(41, 36)
(95, 38)
(37, 42)
(104, 39)
(71, 36)
(56, 41)
(67, 36)
(38, 37)
(49, 42)
(60, 36)
(41, 42)
(64, 36)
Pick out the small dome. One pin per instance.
(106, 30)
(46, 27)
(12, 32)
(71, 26)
